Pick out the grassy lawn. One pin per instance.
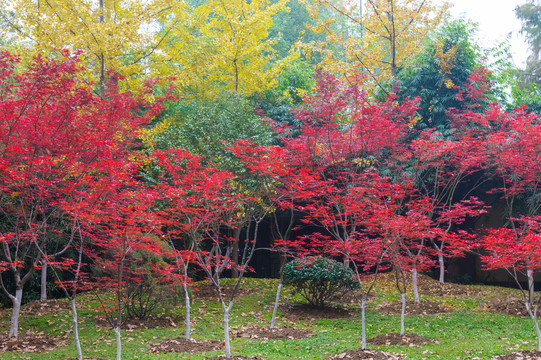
(469, 331)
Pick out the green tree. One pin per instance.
(290, 28)
(379, 42)
(279, 103)
(440, 71)
(202, 127)
(530, 16)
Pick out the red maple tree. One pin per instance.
(54, 132)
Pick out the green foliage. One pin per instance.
(529, 97)
(440, 71)
(530, 16)
(289, 27)
(202, 127)
(279, 103)
(317, 279)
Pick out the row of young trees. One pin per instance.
(81, 195)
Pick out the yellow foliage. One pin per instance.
(205, 49)
(112, 34)
(446, 61)
(383, 39)
(148, 135)
(364, 162)
(223, 45)
(448, 83)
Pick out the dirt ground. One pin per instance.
(283, 332)
(360, 354)
(183, 345)
(151, 322)
(426, 307)
(302, 312)
(397, 339)
(523, 355)
(30, 343)
(510, 306)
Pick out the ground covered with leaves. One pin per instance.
(452, 321)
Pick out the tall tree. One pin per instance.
(530, 16)
(379, 41)
(440, 71)
(222, 45)
(112, 34)
(54, 132)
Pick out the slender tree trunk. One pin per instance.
(531, 286)
(76, 329)
(276, 302)
(16, 301)
(363, 323)
(533, 316)
(236, 66)
(402, 313)
(442, 268)
(227, 311)
(43, 295)
(414, 283)
(118, 343)
(188, 308)
(235, 253)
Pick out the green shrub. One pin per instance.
(317, 279)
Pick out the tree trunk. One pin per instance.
(363, 323)
(187, 303)
(442, 268)
(531, 286)
(276, 301)
(227, 311)
(118, 343)
(76, 330)
(43, 295)
(414, 283)
(16, 301)
(402, 314)
(235, 253)
(533, 316)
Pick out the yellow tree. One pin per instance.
(378, 40)
(222, 45)
(113, 34)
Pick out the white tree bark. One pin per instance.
(118, 344)
(414, 283)
(276, 302)
(442, 268)
(76, 330)
(188, 309)
(403, 313)
(363, 323)
(43, 294)
(533, 316)
(227, 311)
(14, 325)
(531, 286)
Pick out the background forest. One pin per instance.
(159, 142)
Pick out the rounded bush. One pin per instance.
(317, 278)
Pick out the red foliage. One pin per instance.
(340, 124)
(57, 139)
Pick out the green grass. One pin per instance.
(466, 333)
